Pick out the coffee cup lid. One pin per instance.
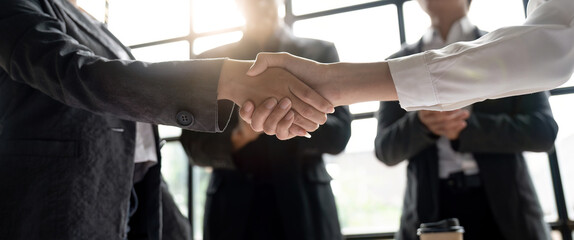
(446, 225)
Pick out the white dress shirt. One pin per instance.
(449, 160)
(145, 150)
(536, 56)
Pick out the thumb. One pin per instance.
(264, 61)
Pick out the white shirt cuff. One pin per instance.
(413, 82)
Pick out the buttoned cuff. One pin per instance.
(413, 83)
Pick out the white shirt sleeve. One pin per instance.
(536, 56)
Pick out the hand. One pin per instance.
(340, 83)
(309, 108)
(448, 124)
(242, 134)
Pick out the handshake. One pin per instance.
(287, 96)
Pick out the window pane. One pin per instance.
(205, 43)
(569, 83)
(354, 33)
(174, 169)
(562, 109)
(556, 235)
(163, 52)
(201, 178)
(96, 8)
(141, 21)
(364, 107)
(369, 194)
(215, 15)
(489, 15)
(301, 7)
(168, 131)
(416, 21)
(539, 169)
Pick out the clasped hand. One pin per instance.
(298, 112)
(283, 104)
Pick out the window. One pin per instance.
(363, 31)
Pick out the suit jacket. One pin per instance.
(286, 177)
(496, 134)
(67, 131)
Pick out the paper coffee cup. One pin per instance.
(448, 229)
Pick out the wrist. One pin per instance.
(223, 88)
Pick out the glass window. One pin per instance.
(215, 15)
(416, 21)
(562, 109)
(201, 178)
(364, 107)
(539, 169)
(354, 34)
(174, 169)
(569, 83)
(163, 52)
(203, 44)
(141, 21)
(489, 15)
(301, 7)
(369, 194)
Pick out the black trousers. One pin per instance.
(470, 205)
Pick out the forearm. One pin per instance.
(359, 82)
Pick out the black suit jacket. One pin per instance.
(281, 180)
(67, 131)
(496, 134)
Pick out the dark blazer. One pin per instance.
(497, 132)
(67, 111)
(281, 180)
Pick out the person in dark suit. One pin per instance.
(79, 150)
(467, 163)
(262, 188)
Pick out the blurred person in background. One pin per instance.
(467, 163)
(260, 187)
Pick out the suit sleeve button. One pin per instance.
(184, 118)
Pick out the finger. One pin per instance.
(305, 124)
(311, 97)
(458, 115)
(261, 113)
(264, 61)
(308, 112)
(246, 111)
(284, 125)
(276, 115)
(298, 131)
(455, 126)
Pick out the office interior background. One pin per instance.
(369, 194)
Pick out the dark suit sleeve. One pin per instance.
(530, 128)
(35, 50)
(208, 149)
(400, 134)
